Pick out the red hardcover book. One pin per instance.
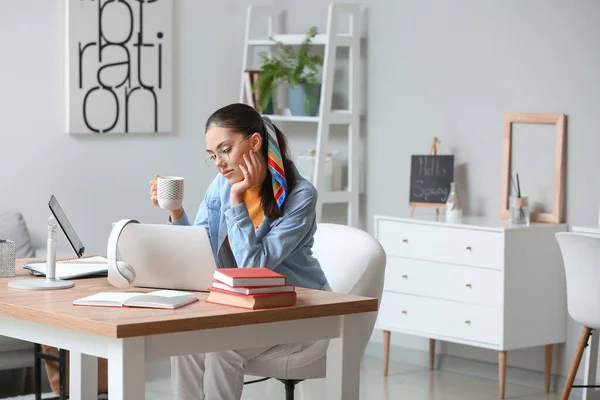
(253, 301)
(249, 277)
(253, 290)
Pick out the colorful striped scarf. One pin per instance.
(275, 164)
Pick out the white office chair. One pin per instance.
(581, 258)
(354, 263)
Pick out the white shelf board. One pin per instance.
(337, 117)
(291, 39)
(291, 118)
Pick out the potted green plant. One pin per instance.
(299, 69)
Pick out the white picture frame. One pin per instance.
(119, 66)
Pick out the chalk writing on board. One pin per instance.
(430, 178)
(431, 166)
(427, 193)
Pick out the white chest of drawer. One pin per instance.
(475, 281)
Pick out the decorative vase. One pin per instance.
(304, 99)
(453, 210)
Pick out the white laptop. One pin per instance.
(163, 256)
(168, 256)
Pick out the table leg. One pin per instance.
(548, 368)
(126, 369)
(38, 371)
(431, 353)
(343, 360)
(501, 373)
(386, 352)
(83, 376)
(591, 362)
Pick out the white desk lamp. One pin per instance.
(50, 283)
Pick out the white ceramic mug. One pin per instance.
(169, 192)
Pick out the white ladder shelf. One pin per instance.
(331, 40)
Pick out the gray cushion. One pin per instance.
(13, 227)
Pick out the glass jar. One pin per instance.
(519, 210)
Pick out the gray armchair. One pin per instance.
(16, 353)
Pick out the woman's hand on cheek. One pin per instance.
(253, 177)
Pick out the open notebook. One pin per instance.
(72, 268)
(169, 299)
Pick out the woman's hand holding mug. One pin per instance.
(166, 192)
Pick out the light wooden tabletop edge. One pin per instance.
(314, 304)
(271, 315)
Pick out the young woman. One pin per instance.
(259, 212)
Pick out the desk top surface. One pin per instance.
(54, 307)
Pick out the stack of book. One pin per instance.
(251, 288)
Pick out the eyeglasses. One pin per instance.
(222, 154)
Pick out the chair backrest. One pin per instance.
(13, 227)
(354, 263)
(581, 258)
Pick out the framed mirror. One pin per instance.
(559, 121)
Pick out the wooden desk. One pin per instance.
(129, 337)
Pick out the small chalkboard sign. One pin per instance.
(430, 179)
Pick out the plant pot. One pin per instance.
(304, 99)
(269, 108)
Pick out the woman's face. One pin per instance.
(226, 148)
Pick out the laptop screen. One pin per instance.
(66, 226)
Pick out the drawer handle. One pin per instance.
(468, 285)
(468, 322)
(405, 276)
(469, 248)
(404, 312)
(404, 240)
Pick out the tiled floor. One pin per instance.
(405, 382)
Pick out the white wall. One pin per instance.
(452, 69)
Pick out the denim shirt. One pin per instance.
(283, 244)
